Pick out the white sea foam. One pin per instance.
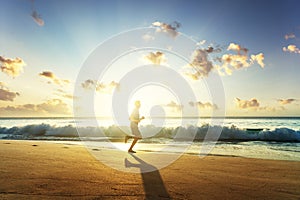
(274, 142)
(44, 131)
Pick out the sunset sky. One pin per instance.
(253, 45)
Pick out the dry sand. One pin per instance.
(43, 170)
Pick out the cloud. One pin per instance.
(290, 36)
(5, 94)
(100, 87)
(156, 57)
(170, 29)
(209, 59)
(231, 62)
(88, 84)
(37, 18)
(236, 61)
(53, 78)
(48, 74)
(204, 61)
(286, 101)
(247, 104)
(259, 58)
(254, 104)
(211, 49)
(204, 105)
(64, 94)
(12, 67)
(291, 48)
(174, 106)
(202, 42)
(271, 108)
(52, 107)
(239, 49)
(147, 37)
(200, 63)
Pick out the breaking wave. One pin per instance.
(70, 132)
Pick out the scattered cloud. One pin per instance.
(147, 37)
(254, 104)
(289, 36)
(202, 42)
(156, 58)
(53, 78)
(239, 49)
(259, 58)
(35, 16)
(236, 61)
(52, 107)
(247, 104)
(209, 59)
(231, 62)
(200, 64)
(291, 48)
(5, 94)
(12, 67)
(100, 87)
(64, 94)
(211, 49)
(271, 108)
(174, 106)
(204, 105)
(286, 101)
(89, 84)
(170, 29)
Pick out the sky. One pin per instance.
(252, 46)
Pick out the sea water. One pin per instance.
(279, 137)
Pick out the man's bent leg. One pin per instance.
(132, 145)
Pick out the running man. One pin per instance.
(134, 121)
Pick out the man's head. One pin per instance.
(137, 104)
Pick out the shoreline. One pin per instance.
(232, 148)
(39, 169)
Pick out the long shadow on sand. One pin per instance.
(152, 181)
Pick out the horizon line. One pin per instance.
(168, 117)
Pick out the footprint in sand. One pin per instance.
(96, 149)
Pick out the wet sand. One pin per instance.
(43, 170)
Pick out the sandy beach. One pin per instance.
(43, 170)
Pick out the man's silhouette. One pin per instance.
(134, 121)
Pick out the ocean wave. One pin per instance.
(70, 132)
